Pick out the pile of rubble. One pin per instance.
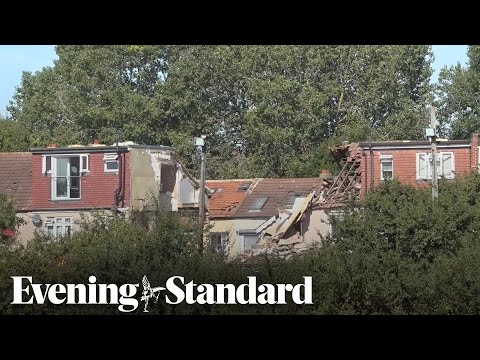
(347, 184)
(335, 193)
(285, 249)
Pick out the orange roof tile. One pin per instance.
(226, 198)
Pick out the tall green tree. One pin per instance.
(13, 136)
(458, 97)
(267, 110)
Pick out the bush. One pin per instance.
(394, 252)
(9, 221)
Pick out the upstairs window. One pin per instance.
(110, 162)
(65, 172)
(47, 161)
(386, 167)
(445, 165)
(46, 164)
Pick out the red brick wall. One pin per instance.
(404, 165)
(97, 187)
(474, 152)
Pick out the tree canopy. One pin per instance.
(14, 136)
(458, 97)
(267, 110)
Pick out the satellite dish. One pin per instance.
(36, 219)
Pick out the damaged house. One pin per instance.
(366, 165)
(271, 215)
(287, 216)
(54, 186)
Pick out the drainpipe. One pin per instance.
(123, 170)
(118, 191)
(372, 180)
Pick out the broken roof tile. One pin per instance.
(227, 197)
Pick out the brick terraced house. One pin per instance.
(366, 165)
(54, 186)
(410, 161)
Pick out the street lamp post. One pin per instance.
(200, 143)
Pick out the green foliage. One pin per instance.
(8, 217)
(13, 136)
(395, 252)
(395, 217)
(267, 110)
(457, 97)
(399, 252)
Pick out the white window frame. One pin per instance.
(110, 157)
(384, 158)
(429, 165)
(53, 224)
(452, 154)
(417, 165)
(44, 164)
(83, 164)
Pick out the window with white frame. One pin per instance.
(110, 162)
(445, 165)
(386, 167)
(59, 226)
(65, 172)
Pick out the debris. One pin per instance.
(347, 184)
(333, 193)
(300, 246)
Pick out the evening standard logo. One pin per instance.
(175, 291)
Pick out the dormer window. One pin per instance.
(65, 172)
(110, 162)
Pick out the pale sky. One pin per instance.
(16, 58)
(446, 55)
